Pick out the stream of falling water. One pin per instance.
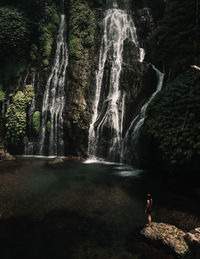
(54, 99)
(108, 113)
(132, 135)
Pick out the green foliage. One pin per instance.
(12, 68)
(29, 93)
(14, 31)
(173, 120)
(14, 34)
(36, 122)
(82, 25)
(48, 126)
(22, 22)
(175, 41)
(33, 52)
(48, 27)
(2, 96)
(45, 62)
(16, 116)
(16, 120)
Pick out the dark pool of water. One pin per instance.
(87, 211)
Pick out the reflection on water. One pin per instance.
(76, 210)
(128, 171)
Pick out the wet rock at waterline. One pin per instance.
(167, 235)
(8, 157)
(61, 160)
(193, 236)
(55, 161)
(193, 240)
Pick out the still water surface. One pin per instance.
(83, 210)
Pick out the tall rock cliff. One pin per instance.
(33, 61)
(168, 33)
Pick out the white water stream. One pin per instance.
(132, 134)
(54, 98)
(118, 26)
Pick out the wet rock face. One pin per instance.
(56, 161)
(193, 236)
(77, 109)
(80, 91)
(137, 79)
(8, 157)
(168, 236)
(193, 240)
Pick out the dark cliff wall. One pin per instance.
(84, 43)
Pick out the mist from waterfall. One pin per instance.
(54, 99)
(108, 111)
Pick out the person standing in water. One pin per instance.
(148, 209)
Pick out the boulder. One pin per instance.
(8, 157)
(193, 240)
(55, 161)
(167, 235)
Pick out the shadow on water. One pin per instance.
(84, 211)
(60, 234)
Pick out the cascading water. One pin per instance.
(132, 134)
(28, 141)
(108, 112)
(54, 98)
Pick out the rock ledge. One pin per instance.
(168, 235)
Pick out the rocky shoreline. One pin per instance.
(175, 240)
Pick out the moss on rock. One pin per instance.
(82, 24)
(36, 121)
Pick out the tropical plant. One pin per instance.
(82, 25)
(172, 124)
(36, 121)
(16, 116)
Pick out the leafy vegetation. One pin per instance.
(82, 24)
(172, 124)
(27, 31)
(16, 116)
(14, 31)
(170, 135)
(48, 27)
(36, 121)
(48, 126)
(2, 96)
(14, 34)
(175, 41)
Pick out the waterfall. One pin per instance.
(54, 98)
(25, 79)
(108, 110)
(131, 137)
(32, 108)
(29, 144)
